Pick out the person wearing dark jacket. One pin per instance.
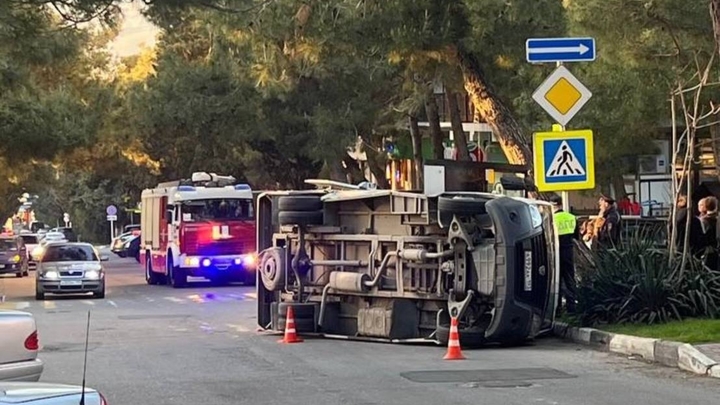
(709, 220)
(609, 234)
(695, 241)
(568, 230)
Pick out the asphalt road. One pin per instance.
(156, 345)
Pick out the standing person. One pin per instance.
(708, 207)
(609, 233)
(567, 229)
(681, 213)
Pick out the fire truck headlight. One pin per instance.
(206, 262)
(192, 262)
(250, 260)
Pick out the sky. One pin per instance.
(135, 33)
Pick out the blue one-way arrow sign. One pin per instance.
(540, 50)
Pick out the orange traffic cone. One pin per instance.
(454, 352)
(290, 333)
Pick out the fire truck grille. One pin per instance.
(217, 248)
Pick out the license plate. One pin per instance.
(71, 282)
(528, 271)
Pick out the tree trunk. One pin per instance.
(494, 111)
(459, 138)
(354, 175)
(416, 137)
(715, 137)
(618, 184)
(715, 16)
(376, 162)
(431, 109)
(333, 170)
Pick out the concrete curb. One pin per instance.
(671, 354)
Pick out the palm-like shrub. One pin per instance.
(638, 282)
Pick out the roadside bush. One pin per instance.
(639, 283)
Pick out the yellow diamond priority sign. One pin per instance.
(562, 95)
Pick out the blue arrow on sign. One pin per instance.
(540, 50)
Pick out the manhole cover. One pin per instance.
(143, 317)
(497, 375)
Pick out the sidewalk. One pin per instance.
(701, 359)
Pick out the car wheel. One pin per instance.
(300, 203)
(100, 294)
(19, 274)
(302, 218)
(39, 294)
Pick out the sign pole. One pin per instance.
(564, 194)
(112, 229)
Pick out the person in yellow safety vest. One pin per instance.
(567, 229)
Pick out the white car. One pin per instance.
(19, 347)
(70, 268)
(36, 393)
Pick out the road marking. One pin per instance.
(49, 304)
(112, 303)
(174, 299)
(87, 302)
(251, 295)
(8, 305)
(22, 305)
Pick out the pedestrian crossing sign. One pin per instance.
(564, 160)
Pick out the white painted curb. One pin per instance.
(689, 358)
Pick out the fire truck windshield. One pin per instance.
(217, 209)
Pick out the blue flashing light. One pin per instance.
(186, 188)
(242, 187)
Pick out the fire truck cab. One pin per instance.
(202, 227)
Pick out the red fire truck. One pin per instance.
(202, 227)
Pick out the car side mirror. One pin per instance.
(104, 258)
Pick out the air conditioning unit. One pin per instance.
(652, 164)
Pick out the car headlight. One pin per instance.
(92, 274)
(16, 259)
(51, 274)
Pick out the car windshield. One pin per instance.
(7, 244)
(228, 209)
(30, 239)
(70, 253)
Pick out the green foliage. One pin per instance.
(638, 283)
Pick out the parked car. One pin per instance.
(69, 233)
(31, 241)
(13, 256)
(119, 243)
(19, 346)
(35, 393)
(131, 228)
(70, 268)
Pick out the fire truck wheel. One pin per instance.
(300, 203)
(272, 269)
(151, 277)
(301, 218)
(178, 278)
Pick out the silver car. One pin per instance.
(70, 268)
(19, 347)
(47, 394)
